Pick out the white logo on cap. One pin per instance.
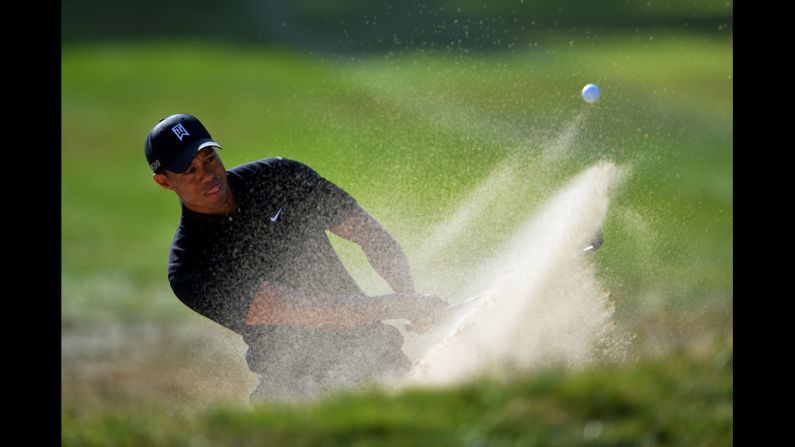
(155, 165)
(179, 131)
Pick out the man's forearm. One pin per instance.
(388, 260)
(382, 250)
(279, 305)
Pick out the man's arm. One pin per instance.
(276, 304)
(382, 250)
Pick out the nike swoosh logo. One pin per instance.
(276, 216)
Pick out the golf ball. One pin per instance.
(590, 93)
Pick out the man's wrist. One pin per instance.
(404, 286)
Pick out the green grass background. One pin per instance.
(679, 401)
(409, 134)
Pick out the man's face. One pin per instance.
(203, 187)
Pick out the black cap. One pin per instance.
(174, 141)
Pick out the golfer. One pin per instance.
(251, 253)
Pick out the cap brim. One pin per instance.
(182, 162)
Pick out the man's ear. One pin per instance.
(161, 180)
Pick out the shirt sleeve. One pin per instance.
(328, 203)
(220, 296)
(212, 300)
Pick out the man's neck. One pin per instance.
(229, 207)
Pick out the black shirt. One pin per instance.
(217, 262)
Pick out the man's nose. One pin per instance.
(205, 174)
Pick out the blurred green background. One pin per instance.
(408, 106)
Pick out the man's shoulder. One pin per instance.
(267, 171)
(266, 165)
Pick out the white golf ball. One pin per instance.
(590, 93)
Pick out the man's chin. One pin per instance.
(217, 201)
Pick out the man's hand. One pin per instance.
(425, 312)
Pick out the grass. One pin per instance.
(410, 134)
(684, 399)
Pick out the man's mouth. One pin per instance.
(215, 189)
